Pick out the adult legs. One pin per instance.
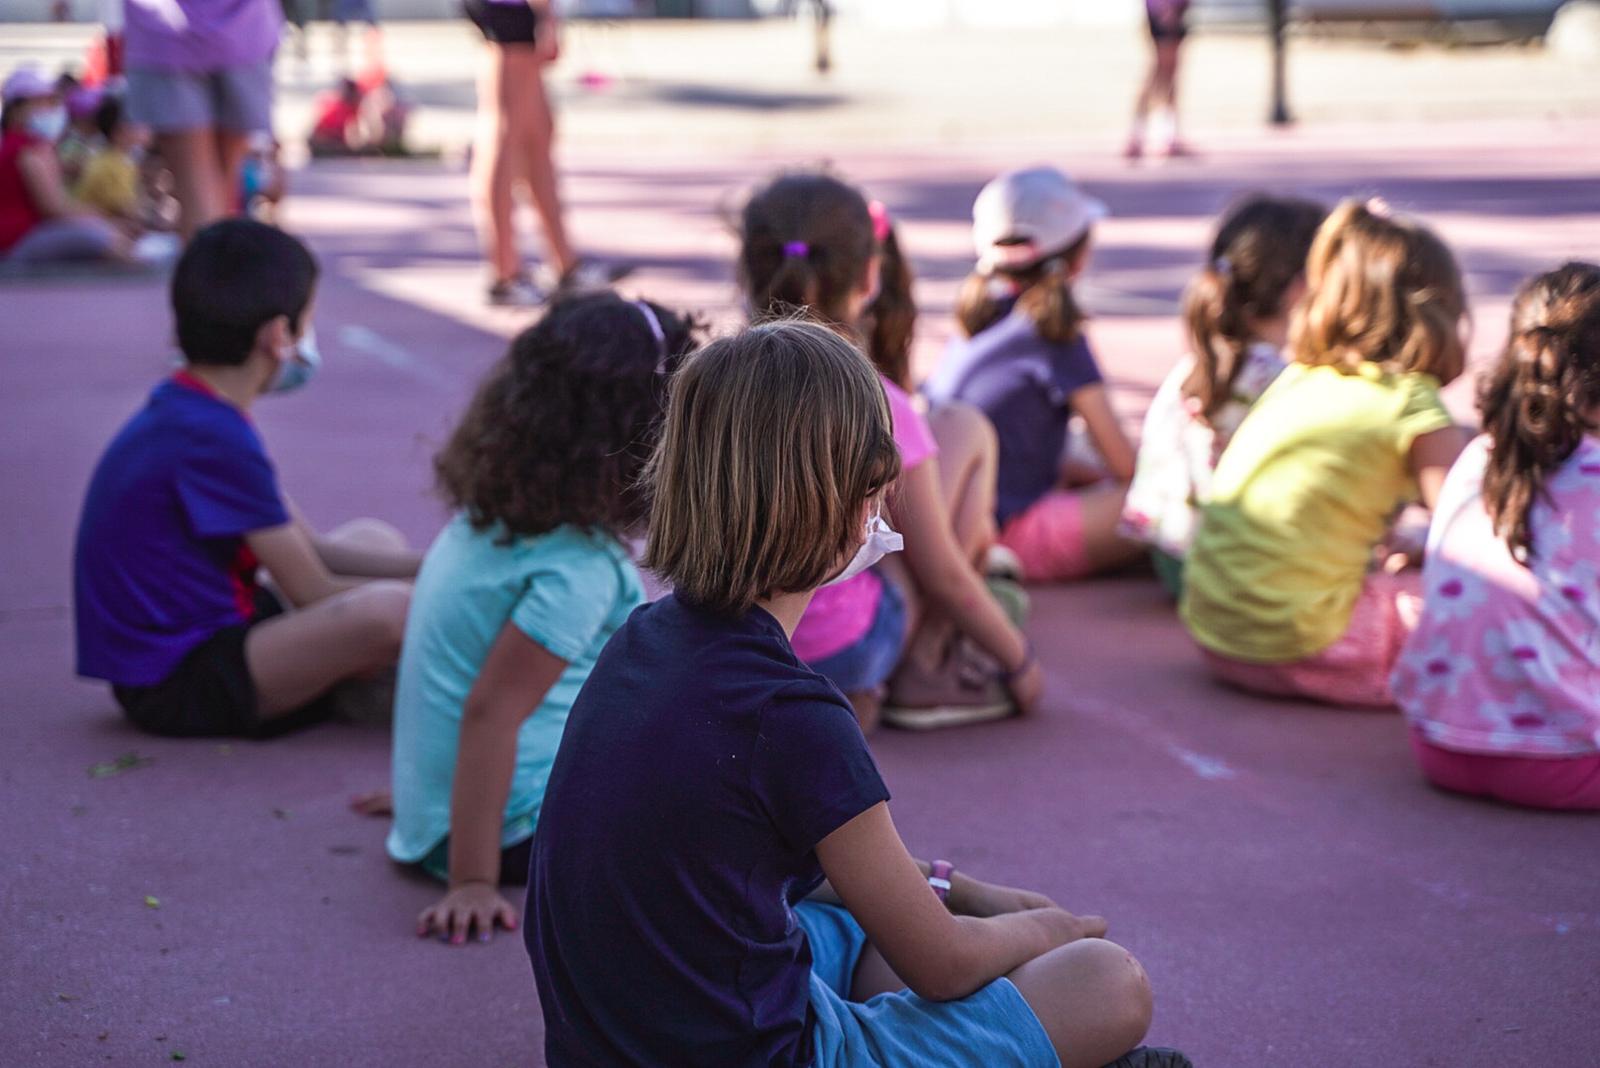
(533, 129)
(494, 168)
(202, 161)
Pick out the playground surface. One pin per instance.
(1298, 895)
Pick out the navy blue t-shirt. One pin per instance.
(1024, 384)
(700, 766)
(161, 564)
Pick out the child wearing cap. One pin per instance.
(39, 221)
(1026, 363)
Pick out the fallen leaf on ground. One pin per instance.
(126, 762)
(151, 902)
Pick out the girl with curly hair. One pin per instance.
(1498, 680)
(520, 591)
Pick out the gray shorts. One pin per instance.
(234, 98)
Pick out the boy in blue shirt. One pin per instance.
(184, 508)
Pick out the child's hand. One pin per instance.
(373, 803)
(1027, 688)
(467, 908)
(976, 898)
(1062, 926)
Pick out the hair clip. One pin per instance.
(654, 323)
(1222, 265)
(798, 249)
(1379, 207)
(882, 224)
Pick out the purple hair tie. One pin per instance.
(796, 248)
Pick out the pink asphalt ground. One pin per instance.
(1298, 895)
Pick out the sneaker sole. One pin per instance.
(929, 719)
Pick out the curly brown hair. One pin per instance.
(1538, 401)
(561, 427)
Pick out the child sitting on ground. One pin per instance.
(1236, 311)
(185, 506)
(1498, 680)
(1027, 365)
(519, 593)
(1280, 590)
(928, 628)
(110, 183)
(708, 781)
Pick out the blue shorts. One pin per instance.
(870, 661)
(993, 1027)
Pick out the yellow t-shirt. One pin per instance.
(1304, 491)
(110, 184)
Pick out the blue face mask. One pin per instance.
(300, 366)
(47, 123)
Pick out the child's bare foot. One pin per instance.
(374, 803)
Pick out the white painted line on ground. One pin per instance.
(369, 342)
(1204, 766)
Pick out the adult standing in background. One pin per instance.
(1168, 20)
(200, 76)
(516, 130)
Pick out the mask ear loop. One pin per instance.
(654, 323)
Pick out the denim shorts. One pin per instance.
(993, 1026)
(238, 99)
(871, 659)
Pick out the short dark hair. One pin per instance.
(108, 116)
(236, 276)
(562, 426)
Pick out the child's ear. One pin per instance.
(275, 336)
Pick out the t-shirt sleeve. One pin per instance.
(570, 595)
(912, 435)
(229, 488)
(812, 770)
(1073, 367)
(1422, 411)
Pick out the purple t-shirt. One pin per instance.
(161, 564)
(700, 766)
(200, 35)
(1024, 384)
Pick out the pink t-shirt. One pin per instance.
(1506, 658)
(839, 616)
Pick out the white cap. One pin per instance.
(1023, 216)
(26, 83)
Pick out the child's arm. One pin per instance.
(1094, 404)
(946, 578)
(292, 561)
(356, 561)
(515, 677)
(1431, 458)
(940, 956)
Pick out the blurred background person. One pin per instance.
(1169, 25)
(200, 76)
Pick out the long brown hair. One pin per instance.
(1258, 253)
(1538, 400)
(1040, 290)
(1380, 289)
(890, 322)
(805, 242)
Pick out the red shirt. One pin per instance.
(18, 214)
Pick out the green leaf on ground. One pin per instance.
(126, 762)
(151, 902)
(178, 1055)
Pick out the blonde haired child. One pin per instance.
(1279, 589)
(1236, 316)
(709, 781)
(1498, 680)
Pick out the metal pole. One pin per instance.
(1278, 17)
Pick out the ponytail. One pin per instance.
(1259, 252)
(805, 242)
(890, 321)
(1537, 402)
(1041, 291)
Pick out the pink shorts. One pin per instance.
(1353, 670)
(1048, 538)
(1538, 782)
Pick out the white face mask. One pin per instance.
(880, 540)
(300, 365)
(48, 123)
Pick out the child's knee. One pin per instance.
(368, 533)
(957, 422)
(1123, 985)
(380, 611)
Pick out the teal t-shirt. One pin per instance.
(567, 590)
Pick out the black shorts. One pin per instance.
(210, 694)
(506, 24)
(1173, 31)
